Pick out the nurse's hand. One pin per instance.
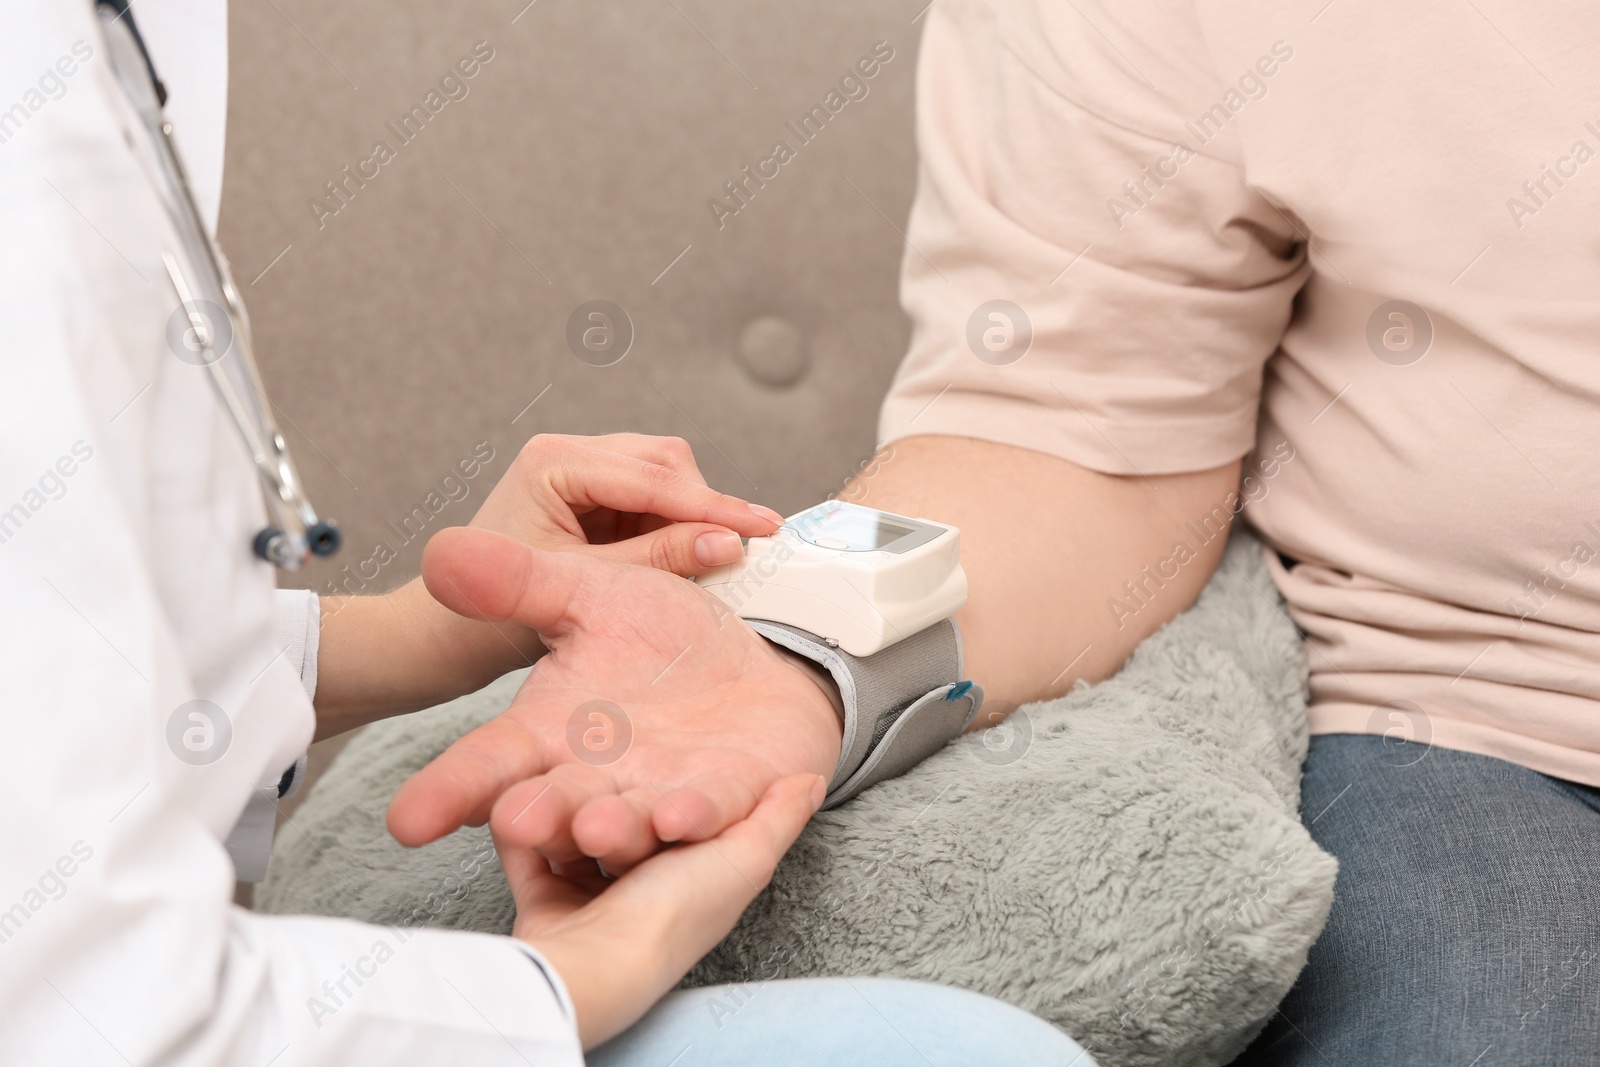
(626, 497)
(623, 497)
(658, 715)
(620, 945)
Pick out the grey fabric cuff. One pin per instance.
(901, 705)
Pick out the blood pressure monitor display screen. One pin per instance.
(852, 575)
(851, 528)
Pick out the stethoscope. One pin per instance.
(219, 331)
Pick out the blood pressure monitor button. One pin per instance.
(830, 542)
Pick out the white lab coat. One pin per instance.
(127, 590)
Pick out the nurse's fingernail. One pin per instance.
(819, 792)
(717, 548)
(766, 513)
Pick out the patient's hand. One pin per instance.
(710, 713)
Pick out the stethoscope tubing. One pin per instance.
(203, 284)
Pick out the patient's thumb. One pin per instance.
(485, 575)
(686, 548)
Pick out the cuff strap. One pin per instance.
(901, 705)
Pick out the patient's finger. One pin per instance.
(538, 813)
(485, 575)
(701, 808)
(460, 786)
(617, 831)
(703, 888)
(541, 893)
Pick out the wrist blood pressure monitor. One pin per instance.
(860, 578)
(866, 595)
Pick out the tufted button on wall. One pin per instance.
(773, 350)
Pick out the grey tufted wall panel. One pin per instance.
(432, 308)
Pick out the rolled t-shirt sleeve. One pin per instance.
(1089, 272)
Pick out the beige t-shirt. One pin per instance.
(1360, 242)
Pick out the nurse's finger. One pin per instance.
(633, 941)
(459, 787)
(589, 478)
(684, 548)
(704, 887)
(541, 893)
(672, 452)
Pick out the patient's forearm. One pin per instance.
(1068, 569)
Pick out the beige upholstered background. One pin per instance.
(429, 311)
(420, 320)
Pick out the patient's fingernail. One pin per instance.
(819, 792)
(766, 513)
(717, 548)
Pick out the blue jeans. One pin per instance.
(838, 1022)
(1466, 918)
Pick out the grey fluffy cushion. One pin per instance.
(1125, 862)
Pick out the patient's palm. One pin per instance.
(650, 686)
